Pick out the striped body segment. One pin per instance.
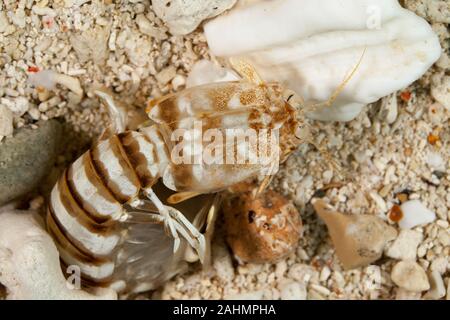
(86, 205)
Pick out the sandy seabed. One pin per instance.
(100, 45)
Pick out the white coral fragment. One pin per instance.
(92, 44)
(29, 262)
(71, 83)
(405, 246)
(440, 90)
(44, 78)
(147, 28)
(311, 46)
(182, 17)
(437, 290)
(49, 78)
(4, 24)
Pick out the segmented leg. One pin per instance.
(246, 70)
(181, 196)
(168, 222)
(195, 239)
(175, 222)
(205, 218)
(267, 179)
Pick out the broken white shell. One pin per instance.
(415, 214)
(49, 78)
(310, 46)
(29, 262)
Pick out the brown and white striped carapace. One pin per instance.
(236, 107)
(104, 212)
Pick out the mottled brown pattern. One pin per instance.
(169, 112)
(247, 97)
(288, 140)
(182, 175)
(221, 94)
(259, 101)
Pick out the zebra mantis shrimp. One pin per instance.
(113, 185)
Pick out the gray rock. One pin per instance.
(27, 158)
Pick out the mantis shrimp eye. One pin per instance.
(302, 132)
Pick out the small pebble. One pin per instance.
(440, 91)
(292, 290)
(402, 197)
(396, 213)
(410, 275)
(437, 290)
(222, 263)
(72, 83)
(4, 24)
(440, 265)
(359, 240)
(435, 161)
(166, 75)
(147, 28)
(405, 246)
(403, 294)
(34, 113)
(389, 108)
(378, 200)
(325, 274)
